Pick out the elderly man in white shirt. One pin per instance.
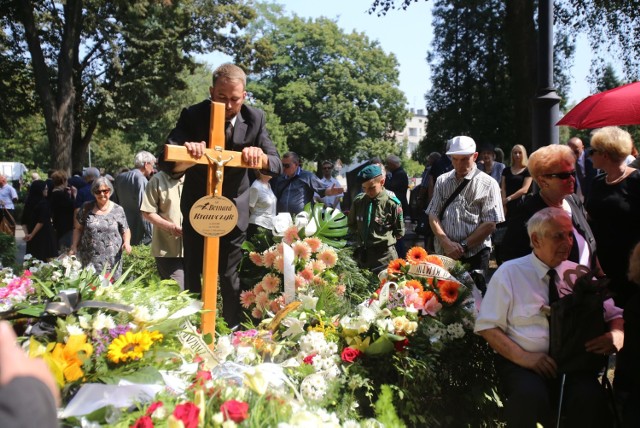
(513, 322)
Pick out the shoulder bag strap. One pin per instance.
(456, 192)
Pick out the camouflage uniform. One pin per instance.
(374, 248)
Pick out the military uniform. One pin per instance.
(375, 239)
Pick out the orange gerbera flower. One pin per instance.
(416, 255)
(435, 260)
(448, 291)
(426, 296)
(414, 283)
(395, 266)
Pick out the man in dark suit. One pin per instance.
(585, 172)
(249, 135)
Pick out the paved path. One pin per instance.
(20, 244)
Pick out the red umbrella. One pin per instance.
(617, 106)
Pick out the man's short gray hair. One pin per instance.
(91, 173)
(142, 158)
(539, 223)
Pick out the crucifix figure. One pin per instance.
(200, 129)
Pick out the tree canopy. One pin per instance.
(332, 91)
(97, 62)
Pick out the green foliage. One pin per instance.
(109, 63)
(141, 263)
(329, 224)
(7, 250)
(385, 412)
(25, 140)
(331, 90)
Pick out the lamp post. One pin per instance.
(546, 107)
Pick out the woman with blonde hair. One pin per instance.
(516, 179)
(614, 206)
(553, 169)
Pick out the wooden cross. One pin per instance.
(217, 158)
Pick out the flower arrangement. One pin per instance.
(403, 353)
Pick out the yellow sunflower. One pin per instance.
(132, 346)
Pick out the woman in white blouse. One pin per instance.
(262, 205)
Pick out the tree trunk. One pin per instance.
(521, 45)
(58, 108)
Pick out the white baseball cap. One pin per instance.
(461, 145)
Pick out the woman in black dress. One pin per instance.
(61, 210)
(614, 207)
(36, 222)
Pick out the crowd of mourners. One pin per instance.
(546, 219)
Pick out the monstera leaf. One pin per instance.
(326, 223)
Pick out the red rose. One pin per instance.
(152, 408)
(349, 355)
(401, 344)
(235, 410)
(143, 422)
(309, 359)
(188, 414)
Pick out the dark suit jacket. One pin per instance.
(586, 177)
(516, 239)
(249, 130)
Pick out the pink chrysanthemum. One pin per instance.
(301, 250)
(268, 258)
(278, 264)
(412, 298)
(271, 283)
(300, 282)
(290, 235)
(317, 281)
(318, 266)
(257, 313)
(262, 300)
(277, 304)
(247, 298)
(328, 257)
(259, 288)
(307, 274)
(256, 258)
(314, 243)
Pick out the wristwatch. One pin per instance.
(464, 245)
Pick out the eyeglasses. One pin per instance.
(591, 151)
(286, 165)
(562, 175)
(102, 191)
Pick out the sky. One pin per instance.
(408, 34)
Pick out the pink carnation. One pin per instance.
(432, 306)
(329, 257)
(314, 243)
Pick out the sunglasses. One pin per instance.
(102, 191)
(591, 151)
(562, 175)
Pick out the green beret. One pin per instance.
(369, 172)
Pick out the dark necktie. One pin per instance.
(228, 135)
(553, 289)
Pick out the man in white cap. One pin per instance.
(465, 208)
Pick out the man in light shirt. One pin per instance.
(513, 321)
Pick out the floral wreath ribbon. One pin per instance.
(70, 303)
